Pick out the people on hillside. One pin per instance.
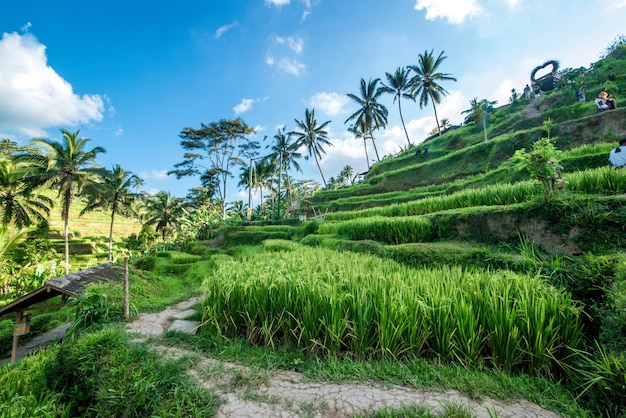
(610, 102)
(426, 151)
(527, 92)
(601, 106)
(537, 91)
(581, 93)
(617, 156)
(420, 153)
(604, 94)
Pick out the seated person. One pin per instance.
(610, 102)
(617, 157)
(418, 152)
(425, 151)
(600, 105)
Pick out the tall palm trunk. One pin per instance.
(111, 235)
(403, 125)
(436, 118)
(366, 156)
(320, 169)
(374, 143)
(66, 225)
(485, 125)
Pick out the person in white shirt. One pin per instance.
(617, 156)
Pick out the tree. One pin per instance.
(479, 112)
(346, 175)
(313, 137)
(372, 114)
(398, 85)
(114, 193)
(163, 209)
(425, 82)
(358, 130)
(18, 203)
(67, 166)
(288, 156)
(543, 164)
(224, 144)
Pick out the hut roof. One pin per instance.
(70, 285)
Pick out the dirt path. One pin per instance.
(249, 392)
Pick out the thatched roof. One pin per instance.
(70, 285)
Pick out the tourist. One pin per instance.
(610, 102)
(617, 157)
(601, 106)
(604, 94)
(581, 93)
(537, 91)
(527, 92)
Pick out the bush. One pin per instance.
(147, 263)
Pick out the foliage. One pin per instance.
(92, 307)
(356, 305)
(313, 137)
(543, 164)
(398, 85)
(104, 374)
(224, 144)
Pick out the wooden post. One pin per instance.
(16, 338)
(126, 291)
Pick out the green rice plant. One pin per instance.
(389, 230)
(23, 392)
(275, 245)
(602, 180)
(326, 302)
(491, 195)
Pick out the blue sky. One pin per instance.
(131, 74)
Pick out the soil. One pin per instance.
(248, 392)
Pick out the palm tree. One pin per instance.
(346, 175)
(68, 166)
(313, 137)
(288, 156)
(162, 210)
(398, 85)
(358, 130)
(114, 193)
(17, 202)
(479, 112)
(371, 113)
(425, 82)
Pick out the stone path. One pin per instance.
(252, 393)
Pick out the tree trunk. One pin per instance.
(436, 118)
(374, 142)
(366, 156)
(403, 125)
(66, 224)
(111, 236)
(485, 125)
(320, 169)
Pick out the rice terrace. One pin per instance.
(484, 276)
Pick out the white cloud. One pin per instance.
(291, 66)
(331, 103)
(277, 3)
(244, 106)
(614, 4)
(27, 26)
(223, 29)
(153, 174)
(33, 96)
(503, 93)
(455, 11)
(296, 44)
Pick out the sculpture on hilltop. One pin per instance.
(548, 81)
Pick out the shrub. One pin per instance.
(147, 263)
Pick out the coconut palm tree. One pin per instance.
(18, 203)
(398, 85)
(288, 156)
(67, 166)
(425, 82)
(372, 114)
(162, 210)
(313, 137)
(114, 192)
(479, 112)
(358, 130)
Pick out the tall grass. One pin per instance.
(602, 180)
(399, 230)
(360, 306)
(500, 194)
